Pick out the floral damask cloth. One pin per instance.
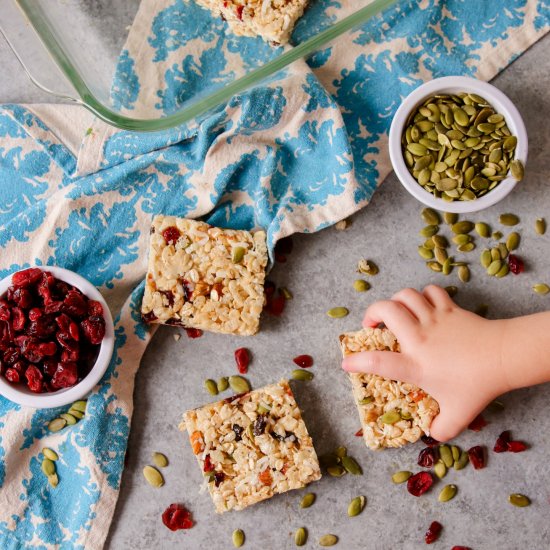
(296, 154)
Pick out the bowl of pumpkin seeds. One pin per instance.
(458, 144)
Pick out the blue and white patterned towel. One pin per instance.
(296, 154)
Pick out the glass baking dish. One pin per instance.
(70, 48)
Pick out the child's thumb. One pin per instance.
(388, 364)
(444, 426)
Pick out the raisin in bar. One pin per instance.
(252, 446)
(272, 20)
(392, 413)
(204, 277)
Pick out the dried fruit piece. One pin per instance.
(242, 358)
(429, 441)
(193, 332)
(238, 538)
(501, 444)
(304, 361)
(428, 457)
(176, 516)
(517, 446)
(419, 483)
(515, 264)
(478, 423)
(359, 433)
(477, 457)
(433, 532)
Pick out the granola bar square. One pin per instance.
(376, 396)
(272, 20)
(204, 277)
(252, 446)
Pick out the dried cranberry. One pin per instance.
(477, 457)
(93, 329)
(35, 313)
(428, 457)
(12, 375)
(18, 319)
(148, 317)
(269, 288)
(73, 355)
(304, 361)
(477, 424)
(53, 306)
(171, 234)
(419, 483)
(74, 304)
(517, 446)
(208, 466)
(49, 366)
(20, 366)
(73, 331)
(359, 433)
(276, 305)
(501, 444)
(11, 355)
(218, 478)
(461, 548)
(239, 12)
(433, 532)
(22, 297)
(238, 431)
(26, 277)
(44, 287)
(176, 516)
(95, 309)
(259, 425)
(31, 350)
(5, 312)
(193, 332)
(66, 341)
(63, 322)
(43, 327)
(34, 379)
(66, 375)
(516, 265)
(242, 358)
(429, 441)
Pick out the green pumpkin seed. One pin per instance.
(464, 273)
(160, 460)
(461, 117)
(417, 149)
(80, 406)
(367, 267)
(71, 420)
(440, 470)
(447, 493)
(496, 406)
(356, 506)
(239, 384)
(286, 293)
(429, 244)
(329, 459)
(336, 471)
(440, 241)
(446, 455)
(517, 170)
(211, 386)
(401, 477)
(223, 384)
(300, 537)
(468, 247)
(429, 231)
(391, 417)
(512, 242)
(447, 266)
(510, 143)
(48, 467)
(425, 253)
(238, 254)
(462, 461)
(541, 288)
(430, 216)
(351, 466)
(50, 454)
(483, 230)
(495, 253)
(450, 218)
(57, 424)
(497, 235)
(462, 227)
(76, 414)
(455, 451)
(53, 480)
(503, 250)
(521, 501)
(540, 226)
(307, 500)
(486, 258)
(451, 290)
(503, 271)
(434, 266)
(361, 285)
(508, 219)
(328, 540)
(302, 374)
(366, 400)
(337, 312)
(494, 267)
(341, 451)
(461, 239)
(238, 538)
(153, 476)
(440, 255)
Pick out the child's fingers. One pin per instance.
(415, 302)
(392, 314)
(438, 297)
(388, 364)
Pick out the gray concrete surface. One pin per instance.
(320, 273)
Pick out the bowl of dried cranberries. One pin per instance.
(56, 337)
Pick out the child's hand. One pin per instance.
(454, 355)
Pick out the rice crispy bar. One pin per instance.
(379, 395)
(252, 446)
(272, 20)
(204, 277)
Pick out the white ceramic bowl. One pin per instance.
(19, 393)
(456, 84)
